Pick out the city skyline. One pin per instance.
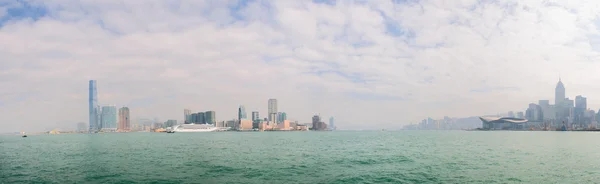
(367, 63)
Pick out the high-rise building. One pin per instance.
(579, 111)
(94, 110)
(109, 118)
(201, 118)
(187, 116)
(559, 93)
(317, 124)
(193, 118)
(242, 113)
(283, 117)
(255, 116)
(279, 120)
(124, 120)
(272, 109)
(580, 102)
(209, 117)
(331, 123)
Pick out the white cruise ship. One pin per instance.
(195, 128)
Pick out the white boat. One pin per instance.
(195, 128)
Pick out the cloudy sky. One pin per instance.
(367, 63)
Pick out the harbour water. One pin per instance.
(303, 157)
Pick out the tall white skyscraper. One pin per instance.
(272, 106)
(272, 110)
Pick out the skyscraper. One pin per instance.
(93, 107)
(272, 109)
(124, 121)
(580, 110)
(283, 116)
(318, 124)
(201, 118)
(242, 113)
(559, 93)
(255, 116)
(331, 124)
(279, 117)
(187, 116)
(109, 118)
(209, 117)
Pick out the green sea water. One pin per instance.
(303, 157)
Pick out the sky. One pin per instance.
(369, 64)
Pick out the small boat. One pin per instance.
(24, 135)
(170, 130)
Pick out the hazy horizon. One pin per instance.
(369, 64)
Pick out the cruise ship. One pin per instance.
(195, 128)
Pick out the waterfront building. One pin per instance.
(263, 126)
(187, 116)
(109, 118)
(579, 112)
(231, 123)
(124, 120)
(281, 116)
(193, 118)
(331, 124)
(255, 116)
(284, 125)
(273, 119)
(209, 117)
(590, 118)
(534, 113)
(244, 124)
(242, 113)
(94, 110)
(272, 110)
(256, 123)
(170, 123)
(317, 124)
(503, 123)
(200, 118)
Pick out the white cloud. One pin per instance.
(342, 60)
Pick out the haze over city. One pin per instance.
(369, 64)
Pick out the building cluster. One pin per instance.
(447, 123)
(564, 114)
(104, 118)
(572, 114)
(110, 119)
(317, 124)
(207, 117)
(275, 120)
